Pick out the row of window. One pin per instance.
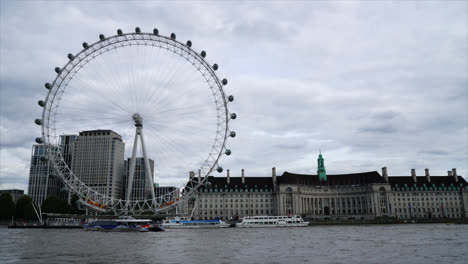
(233, 205)
(427, 198)
(426, 193)
(233, 212)
(424, 210)
(234, 200)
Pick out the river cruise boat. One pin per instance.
(122, 224)
(179, 222)
(272, 221)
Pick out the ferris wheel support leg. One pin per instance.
(147, 167)
(132, 167)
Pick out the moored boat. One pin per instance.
(272, 221)
(179, 222)
(122, 224)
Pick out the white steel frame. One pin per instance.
(92, 198)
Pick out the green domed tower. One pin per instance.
(322, 174)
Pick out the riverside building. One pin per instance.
(141, 188)
(366, 195)
(98, 161)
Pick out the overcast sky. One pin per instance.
(370, 84)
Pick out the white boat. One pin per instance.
(180, 222)
(272, 221)
(122, 224)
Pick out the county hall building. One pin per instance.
(366, 195)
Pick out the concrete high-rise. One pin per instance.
(43, 181)
(141, 188)
(66, 149)
(98, 161)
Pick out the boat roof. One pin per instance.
(133, 220)
(196, 221)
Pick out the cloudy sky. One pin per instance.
(370, 84)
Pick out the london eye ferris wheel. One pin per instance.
(157, 93)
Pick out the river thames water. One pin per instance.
(411, 243)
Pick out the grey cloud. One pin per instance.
(379, 129)
(388, 114)
(437, 152)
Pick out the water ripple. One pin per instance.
(427, 243)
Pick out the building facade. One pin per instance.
(43, 181)
(366, 195)
(141, 188)
(98, 161)
(232, 198)
(66, 148)
(428, 196)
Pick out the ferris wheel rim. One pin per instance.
(88, 54)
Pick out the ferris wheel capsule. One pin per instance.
(137, 30)
(233, 116)
(219, 169)
(189, 43)
(57, 70)
(173, 36)
(85, 45)
(47, 86)
(155, 31)
(224, 81)
(203, 53)
(215, 66)
(230, 98)
(38, 121)
(41, 103)
(102, 37)
(39, 140)
(227, 152)
(70, 56)
(232, 134)
(119, 32)
(44, 159)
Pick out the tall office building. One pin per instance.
(141, 188)
(98, 161)
(43, 181)
(66, 146)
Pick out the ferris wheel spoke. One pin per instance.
(177, 93)
(114, 79)
(98, 98)
(161, 80)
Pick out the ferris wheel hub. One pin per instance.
(138, 120)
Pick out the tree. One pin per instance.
(53, 204)
(74, 204)
(7, 206)
(24, 208)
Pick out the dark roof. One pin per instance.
(422, 180)
(362, 178)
